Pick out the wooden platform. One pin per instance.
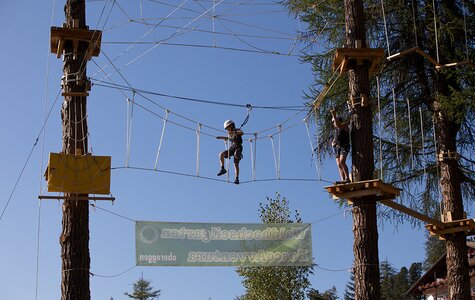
(466, 225)
(345, 55)
(374, 187)
(60, 35)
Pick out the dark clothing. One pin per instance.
(234, 150)
(342, 137)
(236, 147)
(342, 142)
(235, 139)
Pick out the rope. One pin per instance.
(435, 31)
(465, 29)
(28, 158)
(422, 136)
(312, 148)
(380, 131)
(385, 27)
(414, 20)
(395, 127)
(319, 158)
(410, 132)
(255, 157)
(130, 114)
(141, 92)
(161, 138)
(198, 150)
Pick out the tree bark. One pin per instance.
(74, 238)
(458, 278)
(365, 247)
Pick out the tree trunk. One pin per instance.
(458, 278)
(74, 238)
(365, 247)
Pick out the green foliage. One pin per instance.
(143, 290)
(330, 294)
(435, 248)
(270, 283)
(394, 285)
(410, 87)
(350, 288)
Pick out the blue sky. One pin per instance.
(30, 80)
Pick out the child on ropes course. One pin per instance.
(341, 146)
(235, 137)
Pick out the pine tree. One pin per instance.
(269, 283)
(143, 290)
(330, 294)
(350, 288)
(435, 248)
(411, 86)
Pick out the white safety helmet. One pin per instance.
(228, 123)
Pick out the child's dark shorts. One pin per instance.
(236, 151)
(341, 151)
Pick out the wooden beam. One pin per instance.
(75, 198)
(402, 53)
(428, 57)
(59, 51)
(75, 94)
(413, 213)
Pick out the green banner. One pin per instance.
(216, 244)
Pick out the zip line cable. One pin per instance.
(104, 84)
(28, 159)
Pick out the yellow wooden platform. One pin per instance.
(77, 174)
(466, 225)
(60, 35)
(345, 55)
(375, 187)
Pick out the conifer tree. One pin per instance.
(350, 288)
(269, 283)
(432, 158)
(143, 290)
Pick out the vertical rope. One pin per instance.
(380, 130)
(435, 31)
(278, 158)
(161, 138)
(213, 17)
(198, 132)
(37, 271)
(465, 29)
(275, 157)
(255, 158)
(226, 148)
(422, 136)
(385, 27)
(312, 149)
(395, 127)
(252, 157)
(319, 156)
(130, 115)
(414, 20)
(410, 132)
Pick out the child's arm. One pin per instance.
(222, 138)
(239, 131)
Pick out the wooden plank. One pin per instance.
(428, 57)
(74, 94)
(75, 198)
(402, 53)
(413, 213)
(469, 230)
(59, 50)
(93, 37)
(360, 193)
